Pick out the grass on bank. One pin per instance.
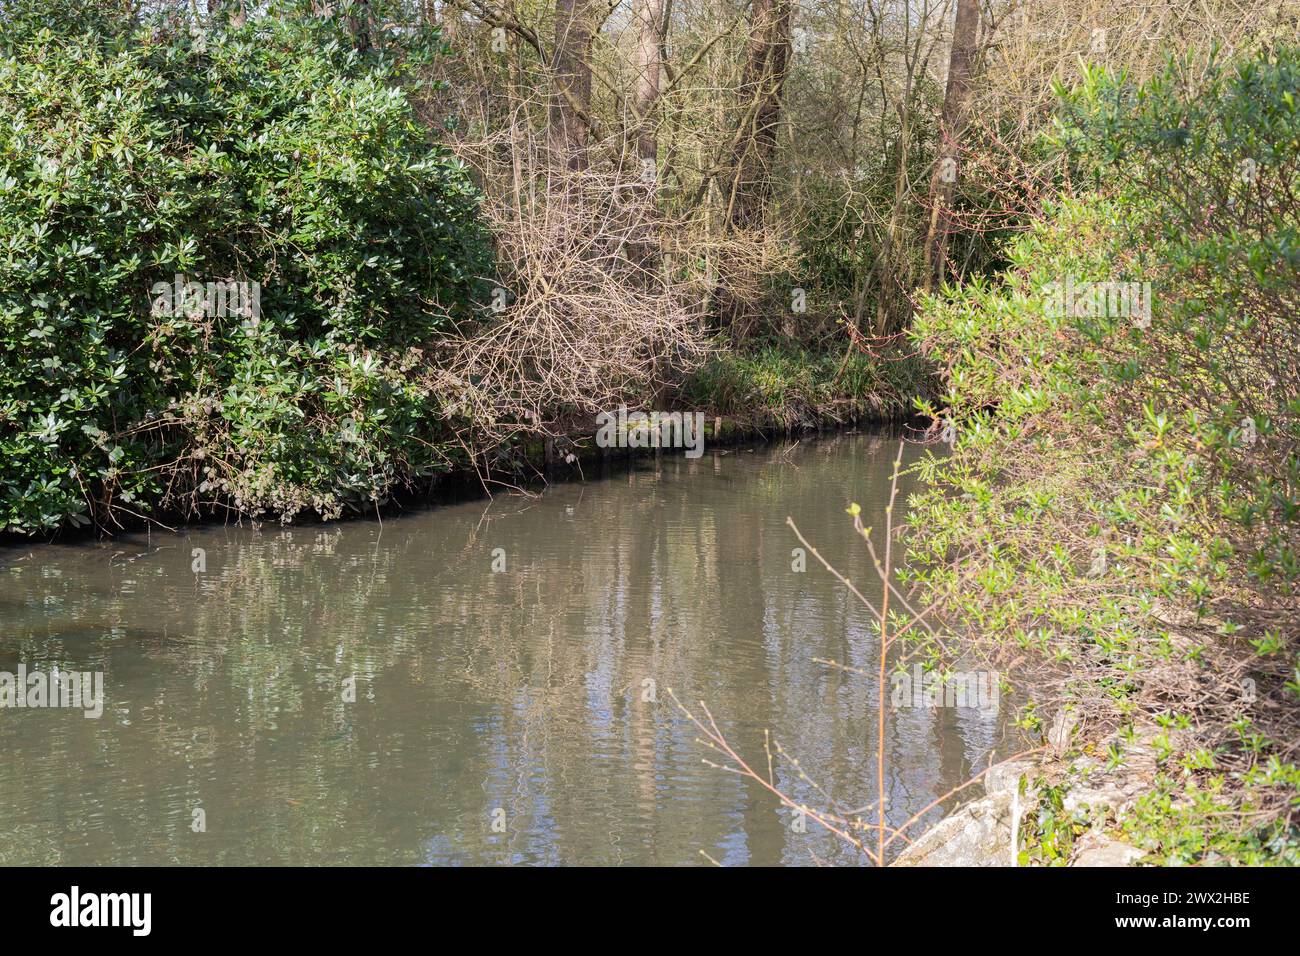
(791, 387)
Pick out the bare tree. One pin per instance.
(965, 36)
(647, 60)
(760, 97)
(568, 125)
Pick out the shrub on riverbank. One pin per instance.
(1122, 498)
(272, 156)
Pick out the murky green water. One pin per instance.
(531, 700)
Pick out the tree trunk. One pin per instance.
(641, 142)
(754, 146)
(647, 69)
(571, 78)
(760, 96)
(965, 35)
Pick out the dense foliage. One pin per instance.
(273, 154)
(1122, 494)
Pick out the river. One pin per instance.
(482, 682)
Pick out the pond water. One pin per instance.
(484, 682)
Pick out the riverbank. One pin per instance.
(1064, 807)
(763, 394)
(739, 396)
